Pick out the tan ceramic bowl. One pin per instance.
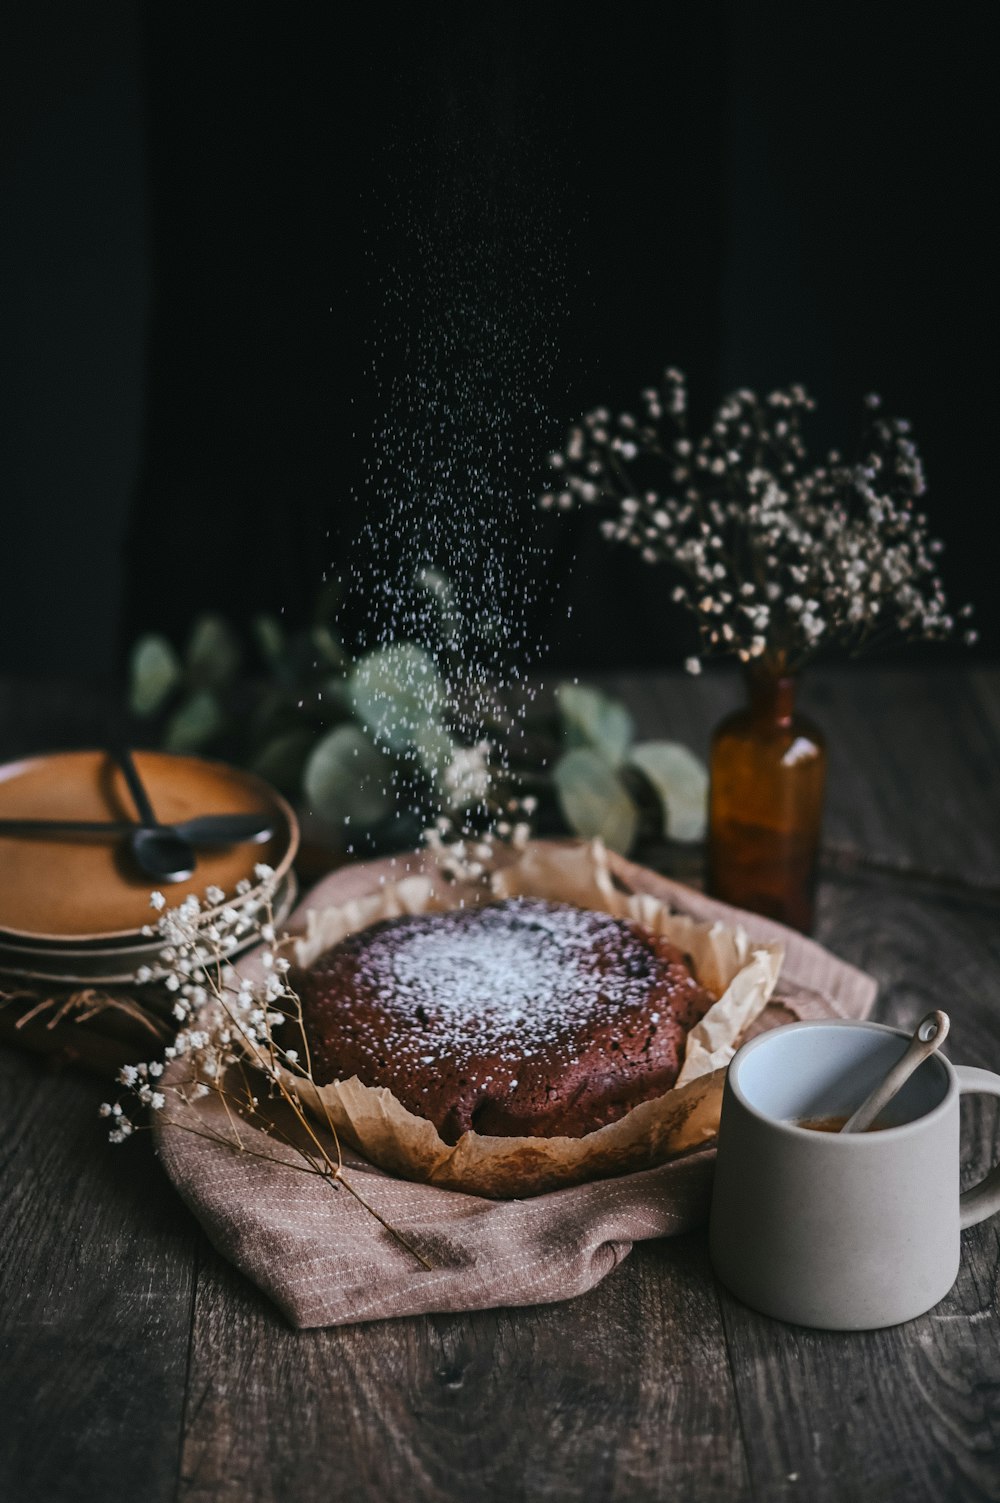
(74, 891)
(112, 965)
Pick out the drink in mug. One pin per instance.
(844, 1231)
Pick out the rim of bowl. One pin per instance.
(286, 893)
(270, 793)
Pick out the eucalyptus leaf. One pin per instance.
(441, 590)
(214, 654)
(591, 718)
(435, 751)
(154, 670)
(328, 647)
(196, 722)
(346, 779)
(270, 637)
(438, 586)
(593, 799)
(282, 760)
(681, 784)
(396, 691)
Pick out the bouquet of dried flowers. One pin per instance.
(777, 557)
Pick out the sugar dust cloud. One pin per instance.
(470, 301)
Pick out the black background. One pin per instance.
(202, 216)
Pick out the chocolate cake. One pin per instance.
(522, 1017)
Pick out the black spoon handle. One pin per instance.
(227, 829)
(210, 829)
(68, 826)
(139, 795)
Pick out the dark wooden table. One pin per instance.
(137, 1365)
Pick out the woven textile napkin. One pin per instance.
(325, 1261)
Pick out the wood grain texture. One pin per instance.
(911, 1413)
(135, 1362)
(623, 1394)
(95, 1293)
(913, 769)
(914, 756)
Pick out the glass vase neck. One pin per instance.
(772, 694)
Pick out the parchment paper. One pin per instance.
(739, 972)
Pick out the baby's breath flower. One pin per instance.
(462, 850)
(227, 1020)
(467, 777)
(775, 555)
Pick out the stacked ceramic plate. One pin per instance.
(73, 906)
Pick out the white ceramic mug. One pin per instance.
(844, 1231)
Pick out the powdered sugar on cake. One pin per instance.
(520, 1016)
(522, 973)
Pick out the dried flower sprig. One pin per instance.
(237, 1038)
(466, 846)
(777, 557)
(470, 859)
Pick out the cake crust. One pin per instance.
(523, 1017)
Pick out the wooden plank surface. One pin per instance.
(96, 1263)
(914, 756)
(912, 1412)
(623, 1394)
(134, 1360)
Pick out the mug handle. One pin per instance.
(983, 1199)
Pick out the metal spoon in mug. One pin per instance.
(158, 849)
(928, 1036)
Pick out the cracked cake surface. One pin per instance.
(523, 1017)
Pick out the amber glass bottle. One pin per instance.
(768, 771)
